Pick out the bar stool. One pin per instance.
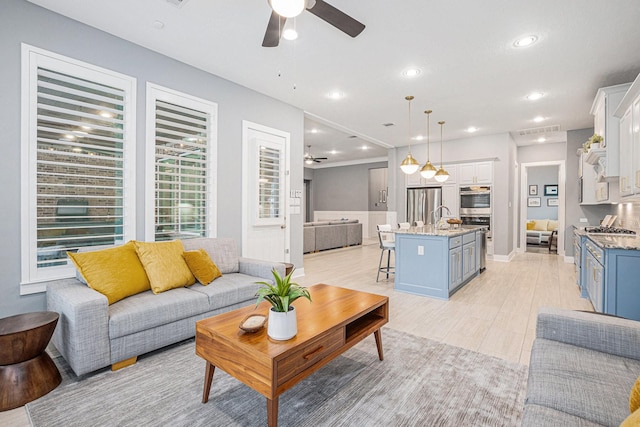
(404, 226)
(419, 223)
(387, 243)
(553, 241)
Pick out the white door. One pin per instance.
(265, 183)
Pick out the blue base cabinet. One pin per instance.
(622, 283)
(434, 265)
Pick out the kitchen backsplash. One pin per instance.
(628, 215)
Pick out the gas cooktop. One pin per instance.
(609, 230)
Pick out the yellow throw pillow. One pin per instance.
(540, 224)
(634, 398)
(530, 225)
(164, 265)
(115, 272)
(632, 420)
(552, 225)
(201, 265)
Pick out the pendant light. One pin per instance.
(442, 175)
(409, 165)
(428, 171)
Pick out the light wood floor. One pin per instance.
(494, 314)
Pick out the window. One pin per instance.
(269, 180)
(77, 152)
(181, 134)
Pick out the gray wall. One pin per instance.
(343, 188)
(541, 176)
(24, 22)
(499, 147)
(542, 152)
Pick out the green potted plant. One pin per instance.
(595, 141)
(282, 324)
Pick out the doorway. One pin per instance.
(542, 207)
(265, 184)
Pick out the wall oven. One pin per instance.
(475, 206)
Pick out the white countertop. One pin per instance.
(429, 230)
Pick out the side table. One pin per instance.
(26, 370)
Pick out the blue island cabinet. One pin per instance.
(622, 283)
(435, 265)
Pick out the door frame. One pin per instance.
(246, 126)
(524, 194)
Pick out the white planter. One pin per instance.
(282, 326)
(595, 146)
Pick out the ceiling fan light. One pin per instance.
(409, 165)
(428, 171)
(290, 34)
(308, 161)
(442, 175)
(287, 8)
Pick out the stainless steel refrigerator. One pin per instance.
(421, 202)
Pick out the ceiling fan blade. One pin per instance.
(317, 161)
(337, 18)
(274, 30)
(320, 158)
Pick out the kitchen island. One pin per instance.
(436, 263)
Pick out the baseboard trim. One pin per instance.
(504, 258)
(298, 272)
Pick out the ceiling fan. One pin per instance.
(309, 159)
(321, 9)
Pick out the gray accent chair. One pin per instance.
(92, 334)
(582, 368)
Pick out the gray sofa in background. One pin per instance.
(322, 235)
(582, 369)
(92, 334)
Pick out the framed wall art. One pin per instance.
(551, 190)
(552, 201)
(533, 190)
(533, 202)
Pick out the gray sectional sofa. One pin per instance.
(582, 369)
(92, 334)
(322, 235)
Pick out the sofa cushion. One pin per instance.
(552, 225)
(540, 224)
(228, 290)
(115, 272)
(200, 264)
(164, 264)
(222, 250)
(535, 415)
(634, 397)
(530, 225)
(632, 420)
(147, 310)
(581, 382)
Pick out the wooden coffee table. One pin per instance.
(335, 321)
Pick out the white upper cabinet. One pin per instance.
(475, 173)
(628, 112)
(605, 124)
(416, 180)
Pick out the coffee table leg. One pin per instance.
(272, 412)
(208, 377)
(378, 336)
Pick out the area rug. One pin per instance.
(420, 383)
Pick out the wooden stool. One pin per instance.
(26, 370)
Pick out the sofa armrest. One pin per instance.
(606, 334)
(260, 268)
(82, 334)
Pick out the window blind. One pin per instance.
(80, 162)
(181, 173)
(269, 176)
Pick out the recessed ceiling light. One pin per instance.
(472, 129)
(336, 95)
(419, 138)
(364, 147)
(333, 152)
(314, 130)
(534, 96)
(538, 119)
(158, 25)
(411, 72)
(542, 139)
(525, 41)
(290, 34)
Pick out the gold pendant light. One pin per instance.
(442, 175)
(409, 165)
(428, 171)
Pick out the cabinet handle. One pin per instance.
(313, 353)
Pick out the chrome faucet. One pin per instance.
(439, 208)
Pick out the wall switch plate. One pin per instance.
(420, 250)
(584, 220)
